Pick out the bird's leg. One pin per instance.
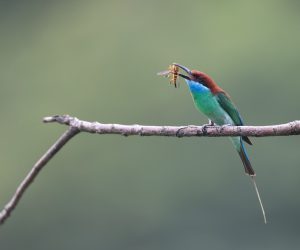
(210, 123)
(205, 126)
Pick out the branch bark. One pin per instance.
(76, 126)
(38, 166)
(291, 128)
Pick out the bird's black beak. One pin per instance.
(187, 70)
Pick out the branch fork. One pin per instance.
(76, 126)
(291, 128)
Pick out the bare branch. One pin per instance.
(76, 126)
(291, 128)
(38, 166)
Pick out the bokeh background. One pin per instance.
(97, 60)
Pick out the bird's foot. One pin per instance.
(210, 123)
(205, 126)
(180, 133)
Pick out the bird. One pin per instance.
(216, 104)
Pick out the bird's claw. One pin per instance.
(209, 124)
(205, 126)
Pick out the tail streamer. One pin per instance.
(259, 199)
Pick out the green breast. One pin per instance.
(208, 105)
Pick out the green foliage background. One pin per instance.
(97, 60)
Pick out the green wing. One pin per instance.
(230, 108)
(232, 111)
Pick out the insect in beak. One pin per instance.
(172, 73)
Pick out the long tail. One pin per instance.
(250, 171)
(259, 199)
(244, 157)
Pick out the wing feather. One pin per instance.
(226, 103)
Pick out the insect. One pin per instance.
(172, 73)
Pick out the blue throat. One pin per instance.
(196, 87)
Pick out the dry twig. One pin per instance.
(76, 126)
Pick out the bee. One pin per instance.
(172, 73)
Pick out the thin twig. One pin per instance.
(38, 166)
(76, 126)
(291, 128)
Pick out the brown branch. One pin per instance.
(291, 128)
(38, 166)
(76, 126)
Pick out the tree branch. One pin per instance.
(291, 128)
(38, 166)
(76, 126)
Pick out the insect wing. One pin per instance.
(164, 73)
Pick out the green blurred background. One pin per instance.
(97, 60)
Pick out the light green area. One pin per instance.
(97, 60)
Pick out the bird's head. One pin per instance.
(192, 75)
(198, 77)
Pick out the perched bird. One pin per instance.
(216, 104)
